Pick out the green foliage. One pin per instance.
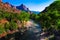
(57, 0)
(35, 17)
(1, 15)
(23, 16)
(6, 26)
(58, 24)
(51, 17)
(6, 15)
(13, 25)
(2, 28)
(12, 18)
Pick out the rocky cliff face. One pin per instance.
(0, 0)
(8, 7)
(15, 9)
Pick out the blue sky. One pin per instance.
(34, 5)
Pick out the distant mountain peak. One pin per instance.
(22, 7)
(6, 3)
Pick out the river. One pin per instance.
(33, 32)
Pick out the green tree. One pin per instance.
(24, 16)
(6, 26)
(50, 17)
(35, 17)
(13, 25)
(2, 30)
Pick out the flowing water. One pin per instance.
(33, 32)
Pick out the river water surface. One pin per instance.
(33, 32)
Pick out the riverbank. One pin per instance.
(32, 32)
